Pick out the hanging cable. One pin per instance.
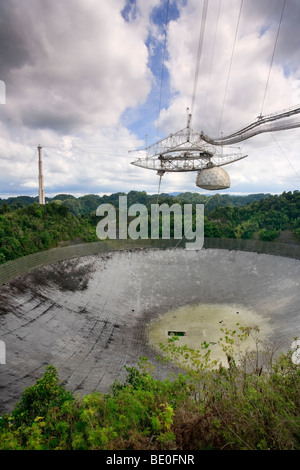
(271, 64)
(211, 62)
(284, 154)
(163, 66)
(17, 183)
(230, 65)
(158, 191)
(161, 85)
(199, 53)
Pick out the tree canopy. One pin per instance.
(27, 227)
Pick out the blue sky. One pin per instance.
(159, 95)
(83, 79)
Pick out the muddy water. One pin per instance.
(194, 324)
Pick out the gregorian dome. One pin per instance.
(213, 179)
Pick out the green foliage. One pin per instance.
(35, 228)
(246, 406)
(264, 219)
(32, 417)
(139, 411)
(31, 227)
(268, 235)
(87, 204)
(242, 406)
(37, 399)
(297, 232)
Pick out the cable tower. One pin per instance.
(41, 178)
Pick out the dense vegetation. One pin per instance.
(35, 228)
(87, 204)
(265, 219)
(246, 405)
(27, 227)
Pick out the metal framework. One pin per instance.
(188, 150)
(184, 151)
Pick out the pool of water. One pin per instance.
(195, 324)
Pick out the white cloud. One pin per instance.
(82, 65)
(250, 63)
(227, 101)
(85, 65)
(72, 69)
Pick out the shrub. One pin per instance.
(245, 405)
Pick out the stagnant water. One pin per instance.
(194, 325)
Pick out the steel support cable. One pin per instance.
(230, 65)
(17, 184)
(284, 154)
(161, 85)
(241, 132)
(272, 59)
(199, 53)
(211, 61)
(162, 67)
(158, 191)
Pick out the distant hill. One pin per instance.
(87, 204)
(265, 219)
(27, 227)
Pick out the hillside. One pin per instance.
(264, 219)
(66, 219)
(35, 228)
(86, 204)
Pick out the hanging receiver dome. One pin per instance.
(213, 178)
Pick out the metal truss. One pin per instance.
(188, 150)
(183, 151)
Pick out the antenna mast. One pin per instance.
(41, 180)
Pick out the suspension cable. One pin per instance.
(158, 191)
(211, 62)
(17, 183)
(273, 54)
(284, 154)
(162, 67)
(230, 65)
(199, 53)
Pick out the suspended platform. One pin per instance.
(187, 151)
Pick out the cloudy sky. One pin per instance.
(91, 80)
